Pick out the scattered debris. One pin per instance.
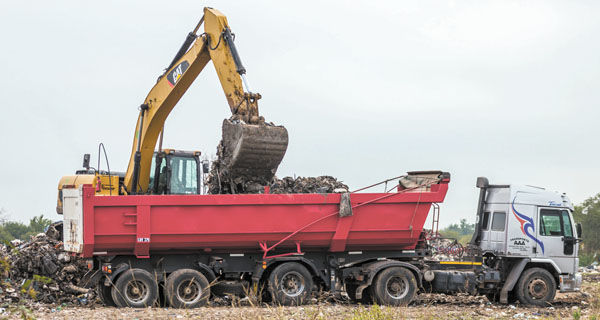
(39, 271)
(445, 249)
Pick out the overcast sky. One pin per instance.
(367, 90)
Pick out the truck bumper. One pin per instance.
(570, 282)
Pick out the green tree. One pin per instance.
(16, 229)
(460, 231)
(10, 230)
(588, 214)
(39, 224)
(5, 236)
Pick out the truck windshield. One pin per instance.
(184, 175)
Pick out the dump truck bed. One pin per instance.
(272, 223)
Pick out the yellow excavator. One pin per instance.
(249, 147)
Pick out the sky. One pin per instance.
(367, 90)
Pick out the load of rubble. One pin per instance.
(321, 184)
(40, 271)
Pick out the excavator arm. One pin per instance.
(253, 147)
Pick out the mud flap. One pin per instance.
(512, 279)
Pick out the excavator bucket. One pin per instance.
(253, 151)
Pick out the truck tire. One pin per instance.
(104, 293)
(536, 287)
(135, 288)
(394, 286)
(290, 284)
(187, 288)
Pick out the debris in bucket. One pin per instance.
(248, 154)
(40, 271)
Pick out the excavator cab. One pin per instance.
(177, 172)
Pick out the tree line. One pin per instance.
(588, 214)
(10, 230)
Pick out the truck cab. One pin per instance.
(530, 224)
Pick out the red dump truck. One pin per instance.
(183, 249)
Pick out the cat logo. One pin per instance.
(176, 73)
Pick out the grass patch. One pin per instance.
(373, 312)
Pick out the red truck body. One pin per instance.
(276, 224)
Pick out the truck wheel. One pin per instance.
(394, 286)
(290, 284)
(135, 288)
(536, 287)
(104, 294)
(187, 288)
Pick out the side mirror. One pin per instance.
(86, 161)
(579, 231)
(205, 168)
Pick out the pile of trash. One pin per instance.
(594, 267)
(445, 249)
(322, 184)
(40, 271)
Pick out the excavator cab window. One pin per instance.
(161, 187)
(184, 175)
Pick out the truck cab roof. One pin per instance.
(526, 194)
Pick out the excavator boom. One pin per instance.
(251, 146)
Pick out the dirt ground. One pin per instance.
(584, 305)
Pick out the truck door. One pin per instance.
(556, 237)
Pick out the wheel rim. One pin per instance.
(538, 289)
(136, 291)
(189, 291)
(397, 287)
(292, 284)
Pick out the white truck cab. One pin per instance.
(532, 227)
